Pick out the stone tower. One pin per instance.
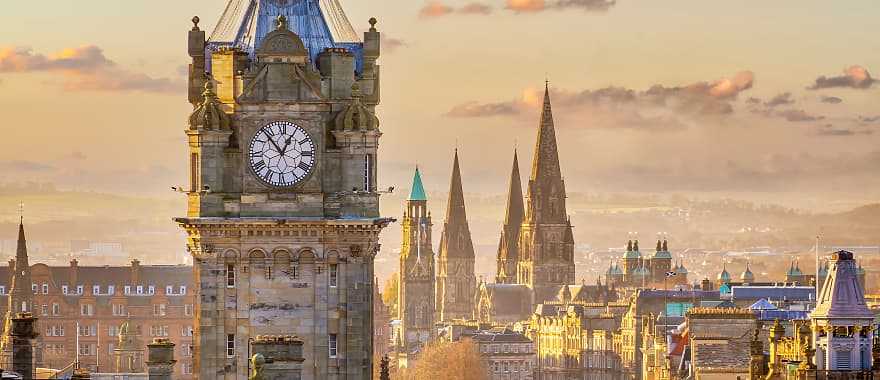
(416, 290)
(546, 242)
(843, 326)
(283, 213)
(20, 299)
(129, 351)
(508, 246)
(456, 282)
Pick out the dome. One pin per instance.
(747, 275)
(209, 115)
(724, 275)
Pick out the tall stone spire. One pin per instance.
(508, 253)
(546, 192)
(546, 242)
(456, 282)
(20, 293)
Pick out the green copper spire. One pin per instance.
(418, 190)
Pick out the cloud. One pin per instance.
(655, 103)
(475, 9)
(869, 119)
(25, 166)
(831, 100)
(832, 131)
(783, 99)
(853, 77)
(85, 68)
(798, 115)
(437, 8)
(390, 44)
(533, 6)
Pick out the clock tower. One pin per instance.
(283, 210)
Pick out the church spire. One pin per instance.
(455, 210)
(418, 190)
(514, 212)
(546, 190)
(456, 238)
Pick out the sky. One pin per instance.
(649, 96)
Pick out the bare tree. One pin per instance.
(447, 361)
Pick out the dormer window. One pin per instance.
(126, 290)
(183, 290)
(151, 290)
(45, 288)
(169, 290)
(111, 290)
(2, 290)
(64, 289)
(96, 289)
(140, 290)
(79, 289)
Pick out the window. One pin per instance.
(2, 290)
(110, 348)
(55, 330)
(56, 309)
(294, 271)
(87, 309)
(159, 309)
(96, 289)
(268, 272)
(45, 288)
(34, 288)
(64, 289)
(118, 310)
(230, 345)
(86, 330)
(140, 289)
(334, 275)
(183, 290)
(111, 290)
(151, 290)
(188, 350)
(187, 368)
(188, 310)
(113, 330)
(230, 276)
(332, 345)
(844, 361)
(79, 289)
(194, 171)
(186, 331)
(157, 330)
(368, 172)
(169, 290)
(87, 349)
(127, 290)
(44, 310)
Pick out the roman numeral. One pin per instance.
(304, 166)
(259, 165)
(283, 129)
(307, 153)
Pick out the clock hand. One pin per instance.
(278, 148)
(286, 145)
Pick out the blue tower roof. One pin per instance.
(320, 24)
(418, 190)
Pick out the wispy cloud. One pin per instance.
(437, 8)
(831, 100)
(25, 166)
(532, 6)
(84, 68)
(853, 77)
(780, 100)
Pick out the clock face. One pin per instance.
(282, 154)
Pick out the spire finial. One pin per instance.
(20, 213)
(281, 22)
(195, 21)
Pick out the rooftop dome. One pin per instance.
(747, 275)
(724, 275)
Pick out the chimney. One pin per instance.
(23, 335)
(74, 273)
(160, 359)
(135, 271)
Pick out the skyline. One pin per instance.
(642, 105)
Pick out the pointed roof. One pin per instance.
(515, 208)
(455, 209)
(418, 190)
(747, 275)
(456, 239)
(763, 304)
(842, 295)
(21, 255)
(546, 161)
(21, 279)
(321, 24)
(724, 275)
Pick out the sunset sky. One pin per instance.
(655, 96)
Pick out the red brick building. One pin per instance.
(95, 301)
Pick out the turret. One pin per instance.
(370, 72)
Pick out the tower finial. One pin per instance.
(195, 21)
(281, 22)
(20, 212)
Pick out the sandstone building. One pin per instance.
(416, 297)
(283, 208)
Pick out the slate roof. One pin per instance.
(791, 293)
(418, 190)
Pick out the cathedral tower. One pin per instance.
(416, 290)
(508, 246)
(546, 242)
(283, 210)
(456, 283)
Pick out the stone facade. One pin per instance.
(546, 242)
(283, 239)
(416, 310)
(456, 282)
(720, 342)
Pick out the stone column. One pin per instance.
(160, 359)
(23, 335)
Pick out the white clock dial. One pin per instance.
(282, 154)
